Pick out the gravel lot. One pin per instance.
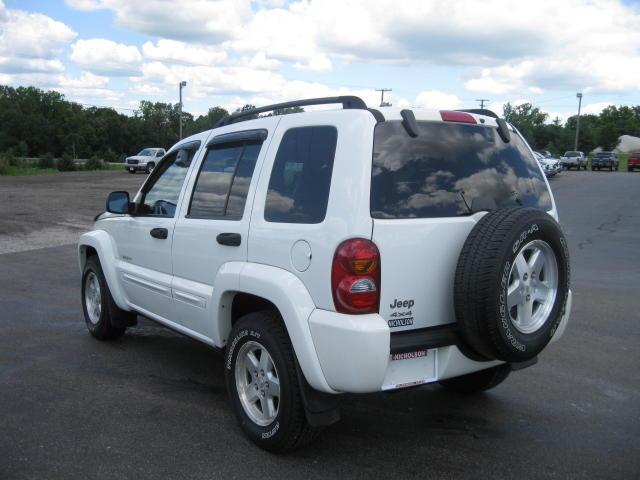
(48, 210)
(153, 405)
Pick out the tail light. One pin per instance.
(355, 277)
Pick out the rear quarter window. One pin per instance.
(301, 176)
(450, 170)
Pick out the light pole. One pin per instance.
(575, 144)
(182, 84)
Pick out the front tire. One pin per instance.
(100, 310)
(150, 167)
(477, 382)
(262, 383)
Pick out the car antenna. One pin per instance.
(461, 192)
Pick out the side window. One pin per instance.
(223, 181)
(161, 198)
(301, 176)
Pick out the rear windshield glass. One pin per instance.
(572, 154)
(450, 170)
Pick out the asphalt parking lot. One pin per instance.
(153, 405)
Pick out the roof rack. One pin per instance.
(481, 111)
(347, 101)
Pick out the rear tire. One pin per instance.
(272, 416)
(477, 382)
(101, 313)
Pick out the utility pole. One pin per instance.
(575, 145)
(382, 102)
(182, 85)
(482, 100)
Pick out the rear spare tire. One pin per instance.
(512, 283)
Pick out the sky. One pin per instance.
(431, 53)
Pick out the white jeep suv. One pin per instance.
(336, 251)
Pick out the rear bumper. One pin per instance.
(355, 352)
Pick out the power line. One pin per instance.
(482, 100)
(382, 102)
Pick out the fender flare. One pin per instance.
(292, 299)
(103, 244)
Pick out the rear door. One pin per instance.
(427, 193)
(214, 222)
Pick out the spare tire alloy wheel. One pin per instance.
(532, 287)
(512, 284)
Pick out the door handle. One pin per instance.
(160, 233)
(229, 239)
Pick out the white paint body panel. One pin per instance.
(347, 211)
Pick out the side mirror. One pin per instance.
(118, 202)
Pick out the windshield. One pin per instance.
(572, 154)
(147, 152)
(451, 169)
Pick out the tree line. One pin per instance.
(34, 122)
(601, 130)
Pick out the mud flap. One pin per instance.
(321, 409)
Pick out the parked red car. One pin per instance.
(633, 162)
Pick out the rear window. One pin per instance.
(572, 154)
(450, 170)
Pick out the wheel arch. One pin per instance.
(250, 287)
(99, 243)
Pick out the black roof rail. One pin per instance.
(481, 111)
(347, 101)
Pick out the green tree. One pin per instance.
(526, 118)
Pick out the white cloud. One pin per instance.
(187, 20)
(505, 47)
(595, 108)
(171, 51)
(85, 5)
(437, 100)
(30, 42)
(588, 46)
(106, 57)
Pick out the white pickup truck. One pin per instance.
(574, 159)
(335, 251)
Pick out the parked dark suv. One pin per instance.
(605, 160)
